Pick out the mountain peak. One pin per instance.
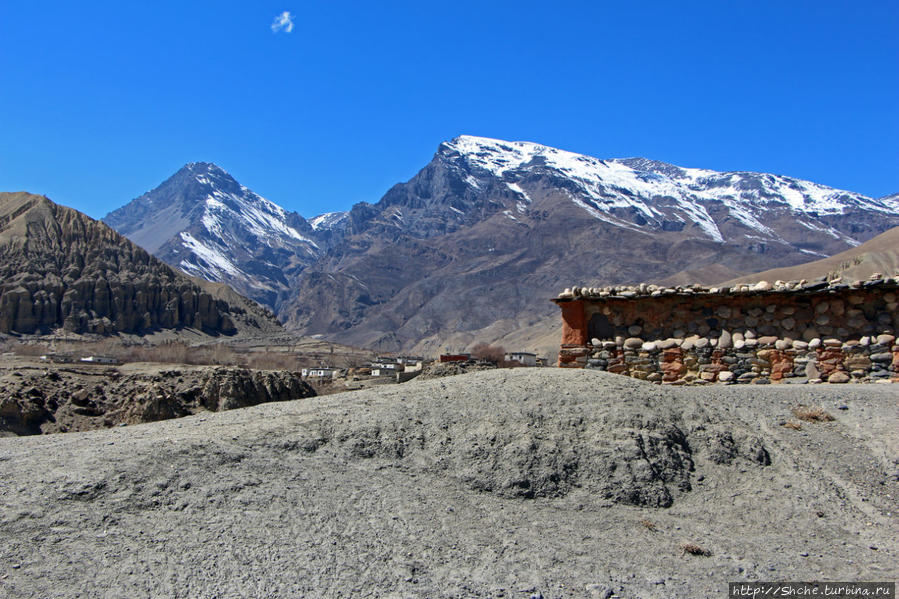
(200, 167)
(204, 222)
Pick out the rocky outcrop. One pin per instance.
(61, 269)
(229, 388)
(60, 399)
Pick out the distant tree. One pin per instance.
(490, 353)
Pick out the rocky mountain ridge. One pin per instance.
(475, 244)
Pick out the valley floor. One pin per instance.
(503, 483)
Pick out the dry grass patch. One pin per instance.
(694, 549)
(811, 414)
(648, 524)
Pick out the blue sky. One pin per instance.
(102, 101)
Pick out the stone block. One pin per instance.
(725, 340)
(838, 377)
(857, 363)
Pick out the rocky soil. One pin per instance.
(503, 483)
(49, 398)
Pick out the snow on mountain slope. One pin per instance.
(327, 221)
(891, 200)
(656, 192)
(204, 222)
(485, 232)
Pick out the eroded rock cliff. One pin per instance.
(61, 269)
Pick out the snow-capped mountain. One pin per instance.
(210, 226)
(474, 245)
(654, 195)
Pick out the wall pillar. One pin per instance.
(574, 323)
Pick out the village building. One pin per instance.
(523, 358)
(386, 369)
(796, 331)
(407, 360)
(386, 366)
(99, 360)
(319, 373)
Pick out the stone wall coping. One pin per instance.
(803, 286)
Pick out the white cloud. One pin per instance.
(283, 22)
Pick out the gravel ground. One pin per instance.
(503, 483)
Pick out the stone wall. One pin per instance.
(784, 332)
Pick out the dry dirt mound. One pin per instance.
(637, 448)
(441, 369)
(505, 483)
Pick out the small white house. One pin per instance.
(523, 358)
(406, 360)
(320, 373)
(99, 360)
(385, 368)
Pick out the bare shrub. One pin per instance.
(811, 414)
(694, 549)
(648, 524)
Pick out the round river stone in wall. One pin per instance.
(725, 340)
(885, 339)
(633, 343)
(838, 377)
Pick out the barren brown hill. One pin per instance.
(880, 254)
(60, 269)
